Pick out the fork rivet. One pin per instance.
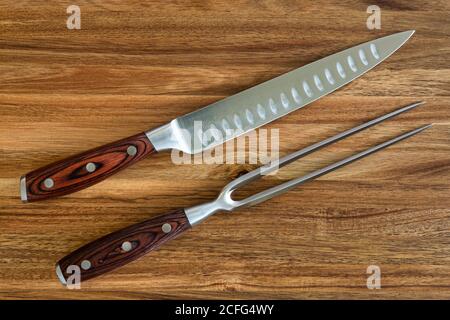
(166, 228)
(126, 246)
(85, 265)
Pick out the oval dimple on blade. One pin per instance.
(290, 91)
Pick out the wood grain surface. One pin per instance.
(135, 65)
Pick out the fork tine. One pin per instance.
(269, 193)
(266, 169)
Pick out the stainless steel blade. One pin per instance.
(270, 100)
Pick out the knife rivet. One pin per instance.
(131, 150)
(48, 183)
(126, 246)
(85, 264)
(90, 167)
(166, 228)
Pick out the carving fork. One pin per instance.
(130, 243)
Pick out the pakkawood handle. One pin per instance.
(83, 170)
(123, 246)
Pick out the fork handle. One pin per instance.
(123, 246)
(85, 169)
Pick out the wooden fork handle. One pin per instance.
(121, 247)
(85, 169)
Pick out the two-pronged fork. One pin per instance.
(128, 244)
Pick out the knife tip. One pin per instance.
(410, 32)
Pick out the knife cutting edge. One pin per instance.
(241, 112)
(123, 246)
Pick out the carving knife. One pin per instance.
(229, 117)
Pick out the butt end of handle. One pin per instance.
(23, 189)
(60, 275)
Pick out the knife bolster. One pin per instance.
(170, 136)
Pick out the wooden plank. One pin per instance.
(134, 66)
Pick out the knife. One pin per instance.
(224, 120)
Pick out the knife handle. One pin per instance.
(83, 170)
(123, 246)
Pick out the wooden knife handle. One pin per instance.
(83, 170)
(121, 247)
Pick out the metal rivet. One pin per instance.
(48, 183)
(85, 264)
(166, 228)
(131, 150)
(90, 167)
(126, 246)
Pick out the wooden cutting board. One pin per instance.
(134, 66)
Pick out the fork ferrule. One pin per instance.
(200, 212)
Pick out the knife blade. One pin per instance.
(213, 124)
